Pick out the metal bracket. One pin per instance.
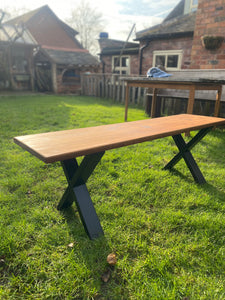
(184, 152)
(77, 176)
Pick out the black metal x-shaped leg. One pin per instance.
(77, 176)
(184, 152)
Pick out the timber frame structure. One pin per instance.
(16, 57)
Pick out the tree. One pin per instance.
(13, 12)
(89, 23)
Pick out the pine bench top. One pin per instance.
(62, 145)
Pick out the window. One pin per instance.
(71, 76)
(194, 5)
(19, 61)
(170, 60)
(121, 65)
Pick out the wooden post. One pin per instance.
(191, 100)
(139, 95)
(114, 87)
(9, 56)
(106, 88)
(54, 78)
(154, 99)
(217, 105)
(118, 90)
(82, 84)
(126, 102)
(103, 86)
(31, 68)
(123, 92)
(133, 94)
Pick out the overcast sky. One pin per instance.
(119, 15)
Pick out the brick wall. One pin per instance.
(72, 87)
(184, 44)
(210, 20)
(67, 88)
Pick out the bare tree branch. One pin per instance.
(89, 23)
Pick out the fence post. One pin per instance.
(123, 92)
(139, 95)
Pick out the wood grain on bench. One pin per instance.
(62, 145)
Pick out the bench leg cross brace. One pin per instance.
(77, 176)
(187, 156)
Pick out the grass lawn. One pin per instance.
(167, 232)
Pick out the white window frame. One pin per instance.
(190, 6)
(120, 68)
(193, 7)
(166, 53)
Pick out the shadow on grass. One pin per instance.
(77, 231)
(181, 175)
(207, 187)
(93, 252)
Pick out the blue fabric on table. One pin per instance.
(157, 73)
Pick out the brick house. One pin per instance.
(168, 44)
(60, 59)
(117, 56)
(176, 43)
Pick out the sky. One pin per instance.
(119, 15)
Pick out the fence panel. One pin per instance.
(110, 86)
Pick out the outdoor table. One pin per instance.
(174, 82)
(92, 142)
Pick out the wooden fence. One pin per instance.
(110, 86)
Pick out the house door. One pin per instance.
(43, 77)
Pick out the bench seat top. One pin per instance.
(61, 145)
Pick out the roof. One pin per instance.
(73, 57)
(174, 25)
(111, 46)
(176, 12)
(178, 26)
(57, 39)
(27, 17)
(16, 34)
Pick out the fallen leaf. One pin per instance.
(29, 193)
(106, 276)
(111, 259)
(2, 262)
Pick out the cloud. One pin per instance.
(146, 7)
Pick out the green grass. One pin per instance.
(168, 233)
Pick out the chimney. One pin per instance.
(103, 35)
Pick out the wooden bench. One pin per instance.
(92, 142)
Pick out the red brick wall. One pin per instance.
(184, 44)
(210, 20)
(72, 88)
